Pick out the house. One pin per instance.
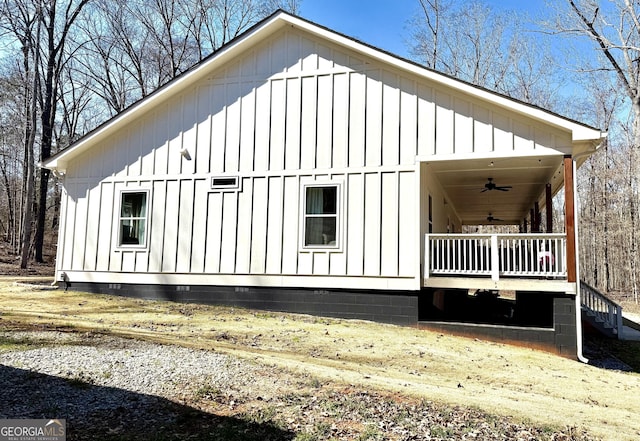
(297, 169)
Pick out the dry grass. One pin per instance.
(499, 379)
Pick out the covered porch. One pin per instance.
(495, 228)
(497, 261)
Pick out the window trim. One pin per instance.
(147, 218)
(339, 241)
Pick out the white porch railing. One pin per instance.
(496, 255)
(606, 312)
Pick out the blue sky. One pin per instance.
(382, 23)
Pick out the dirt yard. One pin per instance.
(334, 379)
(10, 263)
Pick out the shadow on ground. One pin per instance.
(96, 412)
(613, 354)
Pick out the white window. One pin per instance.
(132, 222)
(321, 226)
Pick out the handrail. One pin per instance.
(603, 308)
(496, 255)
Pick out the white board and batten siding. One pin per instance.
(293, 110)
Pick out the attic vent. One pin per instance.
(225, 183)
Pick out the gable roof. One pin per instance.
(280, 19)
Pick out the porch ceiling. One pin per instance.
(464, 180)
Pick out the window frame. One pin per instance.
(337, 246)
(120, 218)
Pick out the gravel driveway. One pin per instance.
(105, 385)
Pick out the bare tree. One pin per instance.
(613, 27)
(133, 47)
(58, 25)
(42, 31)
(489, 48)
(74, 98)
(12, 123)
(269, 6)
(601, 215)
(109, 62)
(25, 26)
(425, 31)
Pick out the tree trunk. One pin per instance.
(633, 214)
(28, 208)
(48, 112)
(42, 212)
(11, 222)
(55, 219)
(30, 137)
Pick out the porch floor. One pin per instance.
(508, 284)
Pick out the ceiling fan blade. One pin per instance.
(490, 185)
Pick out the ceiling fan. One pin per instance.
(490, 218)
(492, 186)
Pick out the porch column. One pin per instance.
(549, 208)
(570, 224)
(532, 219)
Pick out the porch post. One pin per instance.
(570, 224)
(495, 258)
(549, 208)
(427, 255)
(532, 215)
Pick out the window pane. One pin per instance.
(320, 231)
(139, 226)
(321, 200)
(134, 205)
(132, 231)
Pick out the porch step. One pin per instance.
(598, 324)
(596, 318)
(602, 313)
